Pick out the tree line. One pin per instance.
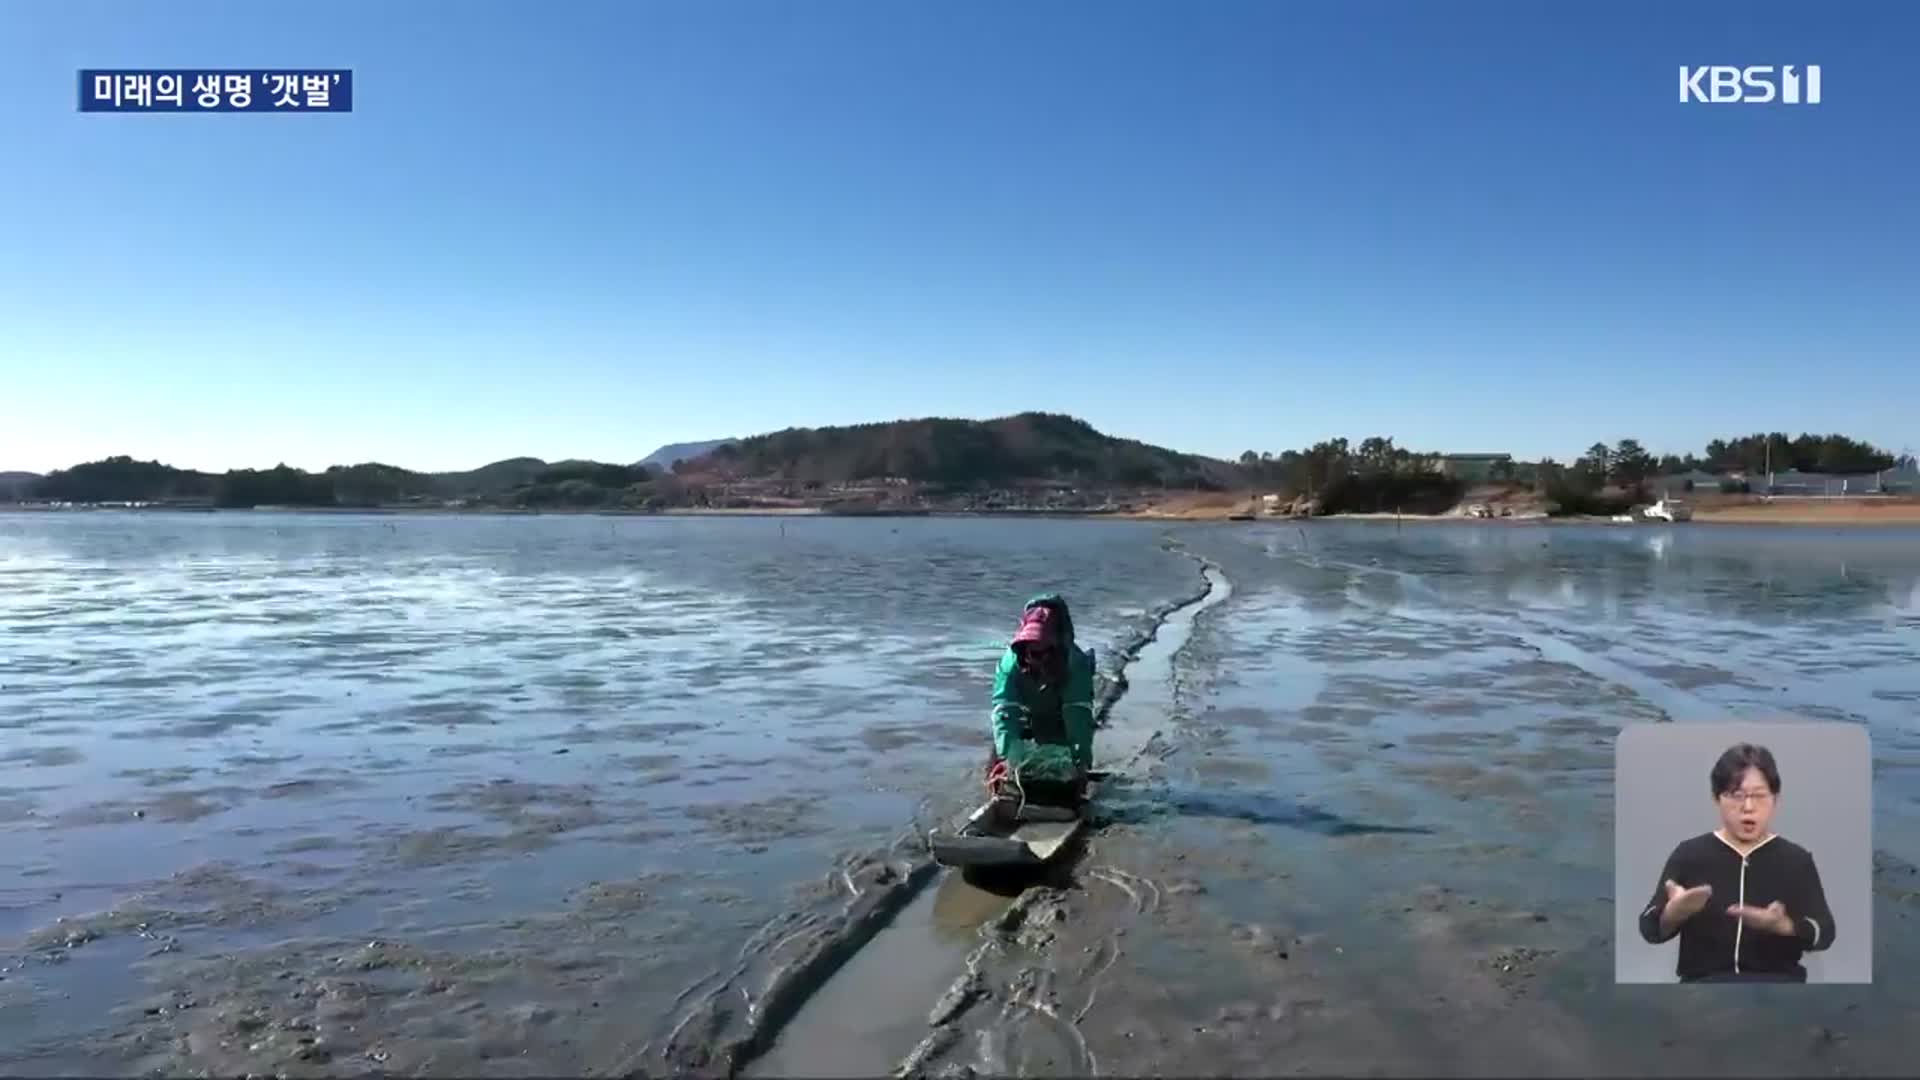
(1375, 476)
(1807, 453)
(1379, 475)
(120, 479)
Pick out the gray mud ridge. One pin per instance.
(213, 896)
(1006, 986)
(512, 801)
(1134, 973)
(534, 816)
(176, 807)
(311, 787)
(163, 777)
(307, 844)
(42, 757)
(533, 990)
(320, 1009)
(638, 732)
(1113, 684)
(725, 1023)
(893, 735)
(779, 817)
(1054, 987)
(452, 844)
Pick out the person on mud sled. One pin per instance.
(1043, 710)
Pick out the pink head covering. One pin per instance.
(1036, 627)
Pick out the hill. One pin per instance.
(17, 485)
(966, 454)
(489, 480)
(122, 479)
(516, 482)
(665, 457)
(579, 485)
(374, 484)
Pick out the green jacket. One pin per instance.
(1025, 712)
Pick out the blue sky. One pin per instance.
(586, 229)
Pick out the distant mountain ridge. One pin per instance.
(666, 456)
(14, 485)
(493, 479)
(935, 454)
(123, 479)
(1027, 447)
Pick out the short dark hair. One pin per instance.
(1733, 765)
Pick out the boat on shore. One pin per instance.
(1669, 510)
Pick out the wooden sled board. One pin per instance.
(1001, 832)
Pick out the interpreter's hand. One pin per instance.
(1773, 918)
(1684, 904)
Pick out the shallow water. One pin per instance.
(494, 794)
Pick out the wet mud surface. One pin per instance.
(614, 806)
(1327, 874)
(287, 794)
(867, 1014)
(1332, 877)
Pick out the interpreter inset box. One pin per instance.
(1743, 852)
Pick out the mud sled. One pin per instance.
(1018, 827)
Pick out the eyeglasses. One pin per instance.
(1758, 798)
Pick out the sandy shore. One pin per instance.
(753, 511)
(1862, 511)
(1728, 509)
(1207, 506)
(1714, 509)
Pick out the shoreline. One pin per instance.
(1849, 514)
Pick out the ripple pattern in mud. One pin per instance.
(443, 732)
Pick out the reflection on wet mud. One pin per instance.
(1260, 809)
(567, 796)
(1766, 576)
(437, 732)
(1464, 685)
(1251, 807)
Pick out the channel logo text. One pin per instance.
(1724, 84)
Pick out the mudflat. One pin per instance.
(542, 795)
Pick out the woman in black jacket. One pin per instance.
(1746, 903)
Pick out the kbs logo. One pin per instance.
(1720, 84)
